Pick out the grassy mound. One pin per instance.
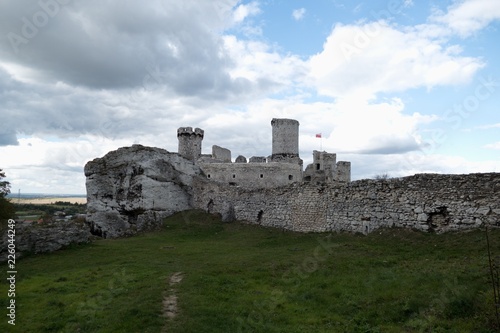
(242, 278)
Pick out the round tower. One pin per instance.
(285, 141)
(190, 142)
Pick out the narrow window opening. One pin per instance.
(208, 176)
(259, 216)
(210, 206)
(317, 166)
(290, 177)
(234, 176)
(261, 176)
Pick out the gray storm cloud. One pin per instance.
(79, 67)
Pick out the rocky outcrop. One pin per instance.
(46, 237)
(134, 188)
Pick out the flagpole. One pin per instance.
(320, 136)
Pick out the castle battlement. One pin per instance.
(188, 131)
(282, 167)
(190, 142)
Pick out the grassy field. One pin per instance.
(34, 212)
(242, 278)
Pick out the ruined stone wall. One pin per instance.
(325, 168)
(47, 237)
(427, 202)
(343, 171)
(253, 175)
(222, 154)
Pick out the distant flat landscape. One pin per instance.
(46, 199)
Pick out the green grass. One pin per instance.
(26, 211)
(242, 278)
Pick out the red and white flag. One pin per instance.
(318, 135)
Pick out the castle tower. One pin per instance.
(325, 162)
(285, 141)
(190, 142)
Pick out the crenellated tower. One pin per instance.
(190, 142)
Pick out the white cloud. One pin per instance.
(497, 125)
(52, 166)
(469, 16)
(298, 14)
(357, 126)
(408, 3)
(495, 145)
(367, 58)
(245, 10)
(257, 62)
(348, 126)
(368, 166)
(374, 57)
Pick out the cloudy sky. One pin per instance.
(395, 86)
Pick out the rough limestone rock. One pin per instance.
(47, 237)
(134, 188)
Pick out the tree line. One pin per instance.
(7, 210)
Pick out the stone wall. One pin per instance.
(254, 174)
(221, 154)
(41, 238)
(343, 170)
(427, 202)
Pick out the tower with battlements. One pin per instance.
(190, 142)
(284, 166)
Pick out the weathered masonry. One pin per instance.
(427, 202)
(282, 167)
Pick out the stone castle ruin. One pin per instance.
(134, 188)
(282, 167)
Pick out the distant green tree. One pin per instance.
(6, 208)
(4, 185)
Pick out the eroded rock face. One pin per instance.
(134, 188)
